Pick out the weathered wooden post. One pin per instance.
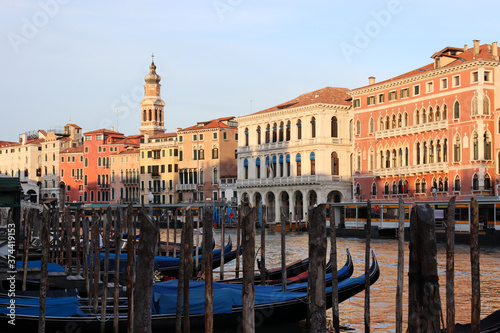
(120, 213)
(401, 264)
(335, 278)
(43, 270)
(207, 260)
(91, 260)
(248, 300)
(263, 274)
(78, 217)
(169, 213)
(143, 293)
(97, 260)
(175, 234)
(450, 267)
(317, 270)
(180, 282)
(188, 267)
(474, 262)
(223, 240)
(283, 251)
(106, 228)
(68, 223)
(27, 229)
(424, 304)
(86, 255)
(130, 268)
(238, 240)
(367, 265)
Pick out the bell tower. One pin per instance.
(152, 113)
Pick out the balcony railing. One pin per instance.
(436, 125)
(413, 169)
(309, 179)
(186, 187)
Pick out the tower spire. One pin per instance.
(152, 106)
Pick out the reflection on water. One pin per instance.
(383, 292)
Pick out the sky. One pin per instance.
(75, 61)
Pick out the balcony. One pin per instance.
(395, 132)
(186, 187)
(412, 169)
(155, 175)
(299, 180)
(130, 181)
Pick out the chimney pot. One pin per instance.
(494, 51)
(371, 80)
(466, 48)
(476, 47)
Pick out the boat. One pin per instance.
(489, 324)
(271, 306)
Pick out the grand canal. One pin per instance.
(383, 292)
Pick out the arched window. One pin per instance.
(445, 112)
(98, 179)
(424, 152)
(394, 187)
(246, 137)
(407, 156)
(312, 158)
(387, 122)
(438, 113)
(268, 133)
(457, 183)
(99, 162)
(358, 189)
(400, 157)
(372, 125)
(456, 110)
(334, 127)
(144, 115)
(475, 147)
(313, 127)
(438, 151)
(298, 164)
(245, 167)
(486, 105)
(282, 132)
(381, 159)
(487, 146)
(475, 182)
(474, 106)
(417, 148)
(358, 127)
(374, 189)
(431, 115)
(393, 125)
(350, 130)
(431, 151)
(424, 186)
(381, 124)
(275, 132)
(358, 159)
(257, 167)
(299, 129)
(258, 136)
(387, 159)
(417, 117)
(215, 153)
(386, 188)
(424, 116)
(282, 173)
(335, 164)
(288, 129)
(406, 119)
(487, 182)
(445, 150)
(372, 160)
(456, 149)
(400, 120)
(394, 165)
(288, 168)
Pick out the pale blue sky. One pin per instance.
(84, 59)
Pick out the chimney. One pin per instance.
(371, 80)
(437, 62)
(112, 128)
(494, 51)
(23, 140)
(476, 47)
(466, 48)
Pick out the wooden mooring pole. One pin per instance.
(317, 269)
(248, 287)
(223, 240)
(474, 262)
(368, 228)
(120, 214)
(284, 215)
(207, 264)
(130, 268)
(450, 267)
(335, 279)
(401, 266)
(263, 274)
(180, 283)
(188, 267)
(238, 240)
(43, 270)
(143, 292)
(106, 228)
(26, 245)
(78, 216)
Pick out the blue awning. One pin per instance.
(281, 159)
(287, 158)
(274, 159)
(297, 158)
(313, 156)
(245, 162)
(257, 161)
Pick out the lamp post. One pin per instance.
(150, 199)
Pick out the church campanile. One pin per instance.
(152, 113)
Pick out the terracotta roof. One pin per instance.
(135, 136)
(74, 126)
(7, 143)
(126, 142)
(163, 135)
(131, 151)
(75, 150)
(214, 123)
(104, 131)
(327, 95)
(460, 58)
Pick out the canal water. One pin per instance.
(383, 292)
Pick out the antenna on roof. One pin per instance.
(117, 119)
(251, 105)
(152, 57)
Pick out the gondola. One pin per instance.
(271, 306)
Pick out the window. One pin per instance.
(475, 147)
(457, 183)
(299, 166)
(487, 146)
(356, 103)
(487, 76)
(370, 100)
(475, 182)
(334, 127)
(392, 96)
(416, 90)
(456, 81)
(444, 83)
(335, 164)
(245, 168)
(201, 154)
(313, 163)
(381, 98)
(404, 93)
(313, 127)
(358, 127)
(429, 87)
(224, 136)
(214, 135)
(299, 129)
(181, 138)
(372, 125)
(486, 105)
(258, 135)
(180, 155)
(474, 106)
(215, 176)
(215, 153)
(287, 131)
(86, 162)
(456, 149)
(456, 110)
(487, 182)
(374, 189)
(257, 167)
(195, 137)
(475, 76)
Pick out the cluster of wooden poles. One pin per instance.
(424, 313)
